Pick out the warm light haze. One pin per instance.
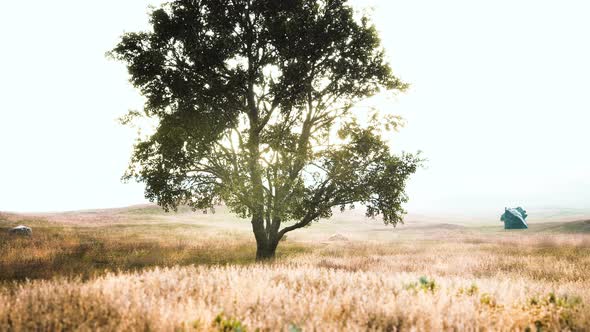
(301, 178)
(498, 102)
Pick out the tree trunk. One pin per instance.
(265, 250)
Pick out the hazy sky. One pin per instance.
(499, 102)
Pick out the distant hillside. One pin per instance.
(579, 226)
(351, 222)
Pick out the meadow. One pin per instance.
(138, 269)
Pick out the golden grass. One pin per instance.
(274, 297)
(87, 252)
(139, 276)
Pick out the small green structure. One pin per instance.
(514, 218)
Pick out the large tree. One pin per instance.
(254, 101)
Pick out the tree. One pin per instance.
(248, 96)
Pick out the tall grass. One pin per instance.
(276, 297)
(144, 275)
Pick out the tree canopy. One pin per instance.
(253, 101)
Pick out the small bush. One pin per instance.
(470, 291)
(563, 301)
(225, 324)
(564, 306)
(487, 299)
(427, 285)
(423, 284)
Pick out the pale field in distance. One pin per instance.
(138, 269)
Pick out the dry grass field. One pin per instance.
(138, 269)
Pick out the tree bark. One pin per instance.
(266, 250)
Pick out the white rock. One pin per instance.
(21, 230)
(338, 237)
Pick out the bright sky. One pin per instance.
(499, 102)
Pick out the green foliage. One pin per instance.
(294, 328)
(487, 299)
(424, 284)
(470, 291)
(248, 95)
(427, 285)
(225, 324)
(562, 301)
(564, 305)
(538, 326)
